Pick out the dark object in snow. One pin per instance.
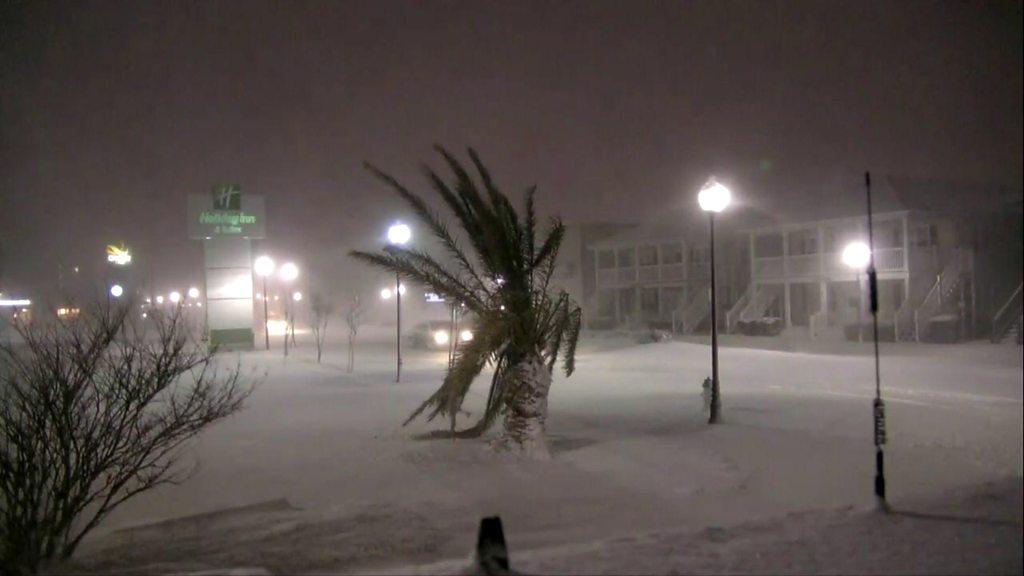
(762, 327)
(944, 329)
(653, 335)
(886, 332)
(705, 394)
(491, 552)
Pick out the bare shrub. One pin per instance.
(92, 413)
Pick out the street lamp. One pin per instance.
(714, 198)
(175, 297)
(193, 292)
(263, 266)
(116, 290)
(398, 235)
(289, 272)
(856, 255)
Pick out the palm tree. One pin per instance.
(503, 280)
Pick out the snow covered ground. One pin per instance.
(318, 475)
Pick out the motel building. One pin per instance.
(948, 260)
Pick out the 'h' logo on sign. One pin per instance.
(227, 197)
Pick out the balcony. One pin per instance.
(817, 266)
(656, 274)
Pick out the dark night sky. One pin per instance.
(111, 113)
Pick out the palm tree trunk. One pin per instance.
(527, 409)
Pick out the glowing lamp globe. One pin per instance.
(193, 292)
(289, 272)
(856, 255)
(175, 297)
(297, 296)
(714, 197)
(385, 294)
(399, 234)
(116, 290)
(263, 266)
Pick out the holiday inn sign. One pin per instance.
(226, 212)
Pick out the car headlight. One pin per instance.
(466, 335)
(440, 337)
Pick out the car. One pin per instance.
(437, 334)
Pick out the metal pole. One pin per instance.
(878, 406)
(287, 308)
(716, 401)
(860, 308)
(266, 318)
(398, 331)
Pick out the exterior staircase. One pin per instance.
(942, 298)
(1007, 321)
(749, 307)
(695, 311)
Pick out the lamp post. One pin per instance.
(714, 198)
(289, 272)
(856, 256)
(398, 235)
(264, 266)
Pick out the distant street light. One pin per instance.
(175, 297)
(160, 299)
(193, 292)
(857, 255)
(714, 198)
(116, 290)
(385, 293)
(289, 271)
(263, 266)
(297, 296)
(398, 235)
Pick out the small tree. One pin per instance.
(503, 278)
(354, 311)
(322, 310)
(92, 413)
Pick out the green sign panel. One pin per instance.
(227, 197)
(226, 212)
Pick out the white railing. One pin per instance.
(830, 263)
(772, 267)
(672, 272)
(647, 274)
(802, 265)
(606, 277)
(889, 260)
(626, 275)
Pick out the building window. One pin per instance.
(768, 246)
(671, 299)
(802, 242)
(605, 259)
(672, 253)
(649, 300)
(606, 304)
(698, 256)
(926, 235)
(647, 255)
(625, 257)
